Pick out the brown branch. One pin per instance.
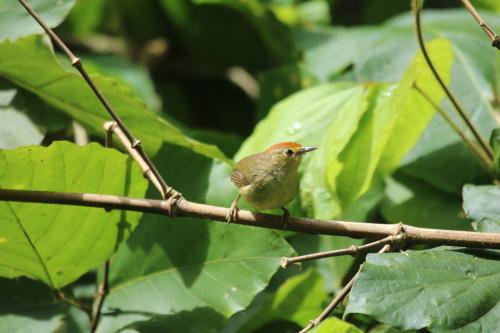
(418, 29)
(484, 160)
(77, 63)
(352, 250)
(339, 297)
(492, 36)
(102, 292)
(186, 208)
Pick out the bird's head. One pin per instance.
(288, 151)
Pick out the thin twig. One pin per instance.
(208, 212)
(479, 153)
(60, 295)
(492, 36)
(77, 63)
(339, 297)
(418, 28)
(102, 292)
(352, 250)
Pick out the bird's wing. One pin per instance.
(238, 179)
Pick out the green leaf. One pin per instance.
(481, 201)
(480, 204)
(30, 306)
(15, 128)
(30, 64)
(336, 325)
(53, 243)
(388, 329)
(186, 274)
(298, 299)
(15, 21)
(443, 289)
(419, 204)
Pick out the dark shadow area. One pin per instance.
(197, 320)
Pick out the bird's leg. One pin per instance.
(285, 218)
(233, 210)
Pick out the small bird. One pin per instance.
(269, 179)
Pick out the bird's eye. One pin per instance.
(288, 152)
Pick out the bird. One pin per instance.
(269, 179)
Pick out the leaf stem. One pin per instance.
(418, 29)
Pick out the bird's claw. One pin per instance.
(232, 214)
(285, 218)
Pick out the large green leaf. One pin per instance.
(30, 306)
(186, 274)
(15, 21)
(443, 289)
(30, 64)
(57, 244)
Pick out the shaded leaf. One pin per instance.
(419, 204)
(30, 306)
(53, 243)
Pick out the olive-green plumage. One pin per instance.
(269, 179)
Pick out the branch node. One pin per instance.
(76, 62)
(284, 262)
(354, 249)
(496, 42)
(135, 143)
(174, 199)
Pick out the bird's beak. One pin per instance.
(304, 150)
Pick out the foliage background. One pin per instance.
(201, 82)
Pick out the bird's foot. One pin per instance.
(285, 218)
(232, 214)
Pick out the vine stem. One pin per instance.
(339, 297)
(492, 36)
(416, 5)
(203, 212)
